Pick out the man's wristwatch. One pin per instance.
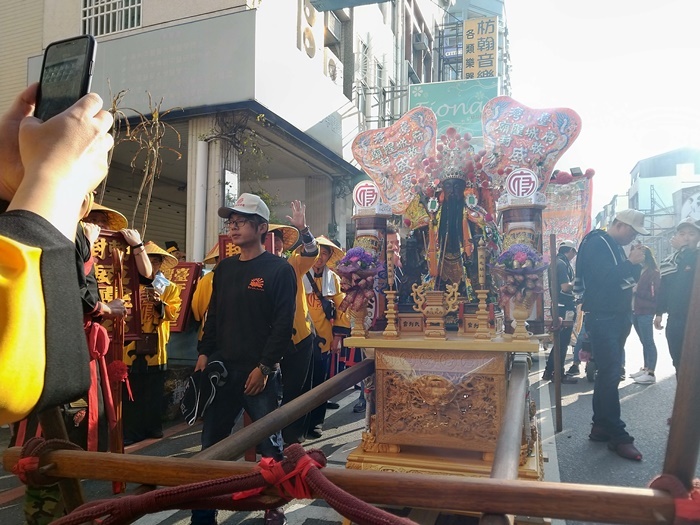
(266, 370)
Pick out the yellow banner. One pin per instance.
(480, 48)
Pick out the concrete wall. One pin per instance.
(20, 36)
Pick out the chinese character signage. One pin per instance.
(521, 183)
(516, 136)
(365, 194)
(392, 156)
(410, 322)
(365, 197)
(457, 104)
(185, 275)
(226, 247)
(105, 273)
(480, 48)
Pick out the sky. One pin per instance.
(629, 68)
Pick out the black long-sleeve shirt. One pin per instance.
(251, 312)
(89, 292)
(42, 319)
(608, 276)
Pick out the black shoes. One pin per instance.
(313, 433)
(275, 517)
(565, 380)
(626, 450)
(331, 405)
(573, 370)
(360, 406)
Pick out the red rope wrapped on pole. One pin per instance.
(297, 476)
(687, 502)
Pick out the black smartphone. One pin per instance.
(66, 75)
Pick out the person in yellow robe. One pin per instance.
(202, 294)
(147, 359)
(296, 363)
(328, 333)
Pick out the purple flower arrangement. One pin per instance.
(357, 259)
(520, 269)
(357, 272)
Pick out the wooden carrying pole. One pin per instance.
(236, 445)
(507, 456)
(684, 435)
(556, 340)
(638, 506)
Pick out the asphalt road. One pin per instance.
(569, 455)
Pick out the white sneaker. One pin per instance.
(647, 379)
(641, 372)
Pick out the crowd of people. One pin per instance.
(53, 327)
(268, 328)
(619, 289)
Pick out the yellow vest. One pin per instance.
(301, 264)
(153, 323)
(323, 327)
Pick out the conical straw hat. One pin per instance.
(290, 235)
(115, 220)
(169, 261)
(336, 253)
(209, 258)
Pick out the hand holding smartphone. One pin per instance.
(66, 75)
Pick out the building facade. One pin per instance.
(666, 187)
(262, 96)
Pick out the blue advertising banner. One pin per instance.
(457, 104)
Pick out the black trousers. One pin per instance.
(321, 371)
(296, 380)
(143, 417)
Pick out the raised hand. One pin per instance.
(298, 218)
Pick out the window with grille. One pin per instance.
(103, 17)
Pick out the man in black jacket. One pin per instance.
(567, 308)
(607, 276)
(677, 273)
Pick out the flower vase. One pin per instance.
(520, 312)
(358, 322)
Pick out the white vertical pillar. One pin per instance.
(200, 201)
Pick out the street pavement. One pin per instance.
(569, 455)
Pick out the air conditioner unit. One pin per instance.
(420, 42)
(333, 67)
(333, 28)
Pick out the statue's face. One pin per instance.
(453, 188)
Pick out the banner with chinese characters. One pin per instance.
(568, 211)
(228, 249)
(517, 136)
(480, 48)
(568, 216)
(393, 156)
(185, 275)
(105, 276)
